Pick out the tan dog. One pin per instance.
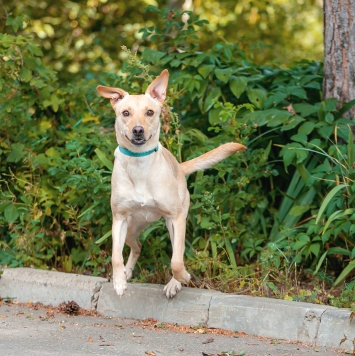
(148, 182)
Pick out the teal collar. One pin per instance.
(129, 153)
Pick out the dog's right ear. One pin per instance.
(114, 94)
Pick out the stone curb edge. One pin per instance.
(304, 322)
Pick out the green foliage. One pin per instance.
(346, 298)
(286, 203)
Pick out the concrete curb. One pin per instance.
(304, 322)
(50, 288)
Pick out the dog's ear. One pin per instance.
(157, 88)
(114, 94)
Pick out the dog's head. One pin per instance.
(138, 116)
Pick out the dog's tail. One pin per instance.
(210, 158)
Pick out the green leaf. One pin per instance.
(152, 56)
(351, 150)
(211, 99)
(25, 74)
(238, 85)
(6, 40)
(328, 198)
(17, 152)
(54, 102)
(297, 91)
(337, 215)
(15, 22)
(301, 243)
(103, 238)
(306, 128)
(320, 262)
(292, 122)
(205, 70)
(206, 223)
(299, 138)
(339, 251)
(345, 272)
(35, 49)
(230, 252)
(53, 152)
(315, 248)
(329, 117)
(293, 151)
(305, 109)
(11, 213)
(103, 158)
(257, 97)
(298, 210)
(223, 74)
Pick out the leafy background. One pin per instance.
(277, 220)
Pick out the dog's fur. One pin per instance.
(146, 188)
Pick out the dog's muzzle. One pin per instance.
(138, 136)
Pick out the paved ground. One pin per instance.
(30, 330)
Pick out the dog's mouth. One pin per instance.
(138, 140)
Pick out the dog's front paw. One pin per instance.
(120, 283)
(120, 288)
(172, 288)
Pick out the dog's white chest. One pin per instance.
(142, 195)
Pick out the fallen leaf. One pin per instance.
(150, 353)
(343, 340)
(290, 109)
(201, 331)
(61, 327)
(3, 316)
(90, 339)
(208, 341)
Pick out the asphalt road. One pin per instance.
(32, 330)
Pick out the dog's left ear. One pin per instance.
(157, 88)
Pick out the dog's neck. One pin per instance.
(129, 153)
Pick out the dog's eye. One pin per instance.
(125, 113)
(150, 112)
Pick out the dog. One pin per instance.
(147, 181)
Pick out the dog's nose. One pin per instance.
(138, 131)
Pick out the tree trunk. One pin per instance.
(339, 51)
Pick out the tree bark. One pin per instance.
(339, 51)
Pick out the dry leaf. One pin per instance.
(150, 353)
(290, 109)
(201, 331)
(90, 339)
(343, 340)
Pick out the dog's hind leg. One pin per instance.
(134, 228)
(177, 228)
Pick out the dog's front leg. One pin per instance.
(119, 232)
(177, 229)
